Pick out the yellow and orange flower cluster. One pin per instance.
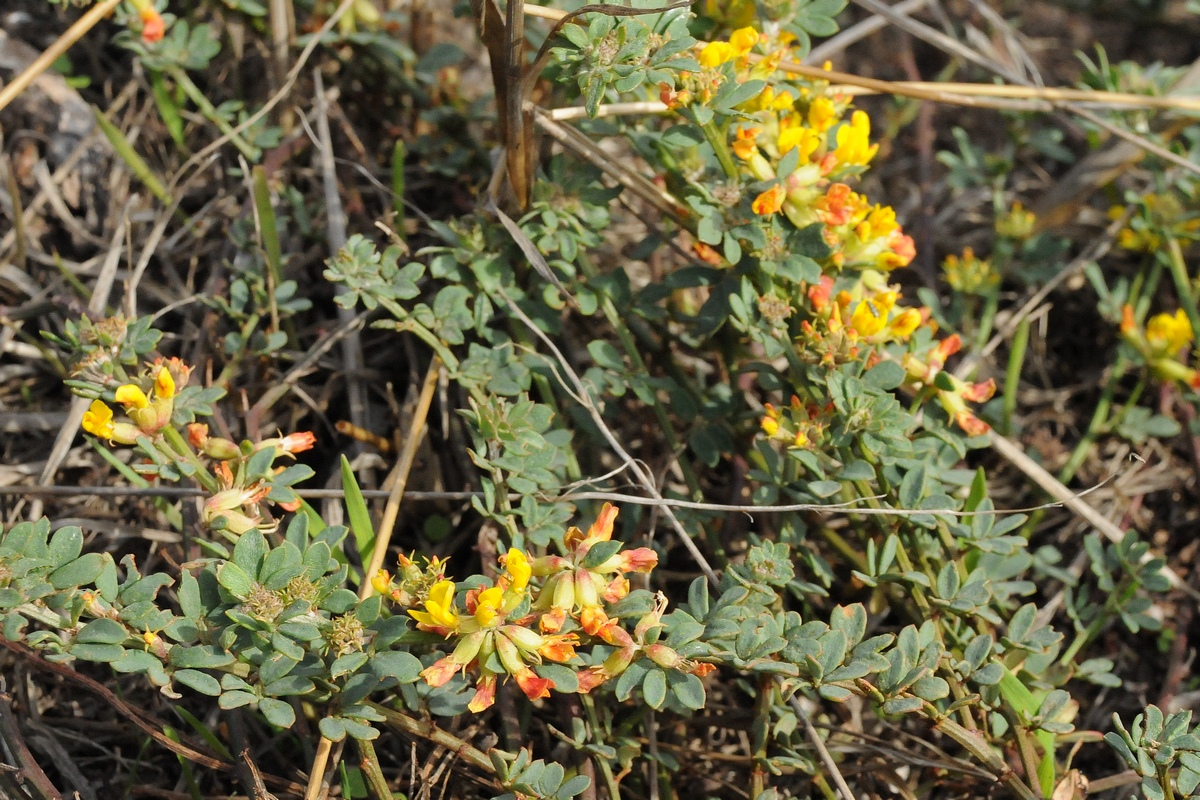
(867, 313)
(494, 627)
(807, 144)
(1163, 343)
(923, 373)
(149, 410)
(149, 404)
(798, 425)
(970, 274)
(798, 127)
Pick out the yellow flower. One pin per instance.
(439, 614)
(970, 274)
(743, 40)
(822, 114)
(714, 54)
(519, 569)
(1019, 222)
(487, 605)
(98, 420)
(131, 396)
(905, 323)
(1167, 333)
(744, 142)
(853, 141)
(382, 581)
(871, 316)
(880, 222)
(795, 135)
(164, 384)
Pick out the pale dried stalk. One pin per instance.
(60, 46)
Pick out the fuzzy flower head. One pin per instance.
(969, 274)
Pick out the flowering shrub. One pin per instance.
(775, 349)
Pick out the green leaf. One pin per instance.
(404, 667)
(688, 689)
(102, 631)
(235, 580)
(199, 657)
(136, 661)
(97, 652)
(332, 728)
(249, 552)
(200, 681)
(189, 596)
(931, 688)
(344, 665)
(65, 545)
(278, 712)
(902, 705)
(599, 553)
(356, 510)
(80, 572)
(235, 699)
(575, 786)
(885, 375)
(654, 688)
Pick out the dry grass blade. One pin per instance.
(335, 215)
(1060, 204)
(636, 183)
(398, 478)
(1053, 487)
(96, 307)
(137, 717)
(60, 46)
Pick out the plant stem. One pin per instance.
(610, 780)
(231, 368)
(1012, 375)
(208, 110)
(762, 723)
(1183, 286)
(975, 744)
(425, 730)
(171, 512)
(178, 444)
(717, 141)
(376, 783)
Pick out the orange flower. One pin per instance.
(744, 142)
(153, 26)
(770, 201)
